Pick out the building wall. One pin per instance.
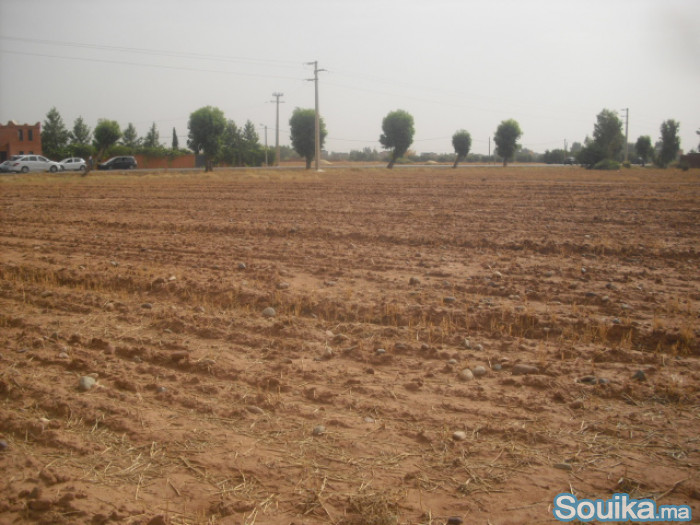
(180, 162)
(19, 139)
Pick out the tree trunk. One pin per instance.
(459, 157)
(308, 163)
(392, 161)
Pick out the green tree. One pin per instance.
(152, 139)
(54, 135)
(130, 138)
(175, 143)
(670, 142)
(506, 139)
(398, 130)
(252, 150)
(303, 133)
(644, 149)
(81, 133)
(206, 130)
(607, 133)
(231, 144)
(106, 135)
(462, 143)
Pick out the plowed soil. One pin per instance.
(572, 297)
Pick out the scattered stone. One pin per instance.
(497, 275)
(454, 520)
(39, 505)
(157, 520)
(497, 367)
(414, 281)
(114, 263)
(318, 430)
(639, 375)
(368, 419)
(269, 312)
(459, 435)
(616, 321)
(479, 347)
(282, 285)
(242, 266)
(564, 466)
(86, 383)
(380, 351)
(523, 369)
(63, 355)
(452, 362)
(549, 273)
(465, 375)
(161, 389)
(3, 445)
(588, 380)
(479, 371)
(576, 404)
(449, 300)
(147, 306)
(467, 343)
(254, 409)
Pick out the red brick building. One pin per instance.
(19, 139)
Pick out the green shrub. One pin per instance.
(607, 164)
(627, 165)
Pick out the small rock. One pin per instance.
(576, 404)
(564, 466)
(157, 520)
(497, 275)
(479, 371)
(368, 419)
(147, 306)
(242, 266)
(161, 389)
(449, 300)
(454, 520)
(459, 435)
(497, 367)
(3, 445)
(523, 369)
(414, 281)
(86, 382)
(465, 375)
(114, 263)
(479, 347)
(639, 375)
(269, 312)
(282, 286)
(318, 430)
(63, 355)
(380, 351)
(467, 343)
(588, 380)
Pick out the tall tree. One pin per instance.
(152, 139)
(250, 145)
(231, 144)
(206, 130)
(81, 132)
(644, 148)
(462, 143)
(54, 135)
(106, 135)
(506, 139)
(175, 143)
(607, 134)
(398, 130)
(130, 137)
(303, 133)
(670, 142)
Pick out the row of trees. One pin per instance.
(221, 140)
(606, 148)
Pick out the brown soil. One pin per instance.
(342, 407)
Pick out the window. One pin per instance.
(30, 135)
(20, 134)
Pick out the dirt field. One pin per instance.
(442, 343)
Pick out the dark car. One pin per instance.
(570, 161)
(118, 163)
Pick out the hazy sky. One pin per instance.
(552, 65)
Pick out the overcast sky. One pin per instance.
(552, 65)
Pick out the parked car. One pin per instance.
(570, 161)
(5, 166)
(34, 163)
(73, 164)
(118, 163)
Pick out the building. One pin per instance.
(19, 139)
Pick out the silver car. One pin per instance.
(34, 163)
(73, 164)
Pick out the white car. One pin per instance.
(73, 164)
(34, 163)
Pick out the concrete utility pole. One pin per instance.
(264, 126)
(317, 124)
(627, 141)
(277, 128)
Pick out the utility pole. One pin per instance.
(277, 128)
(489, 149)
(317, 123)
(627, 122)
(264, 126)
